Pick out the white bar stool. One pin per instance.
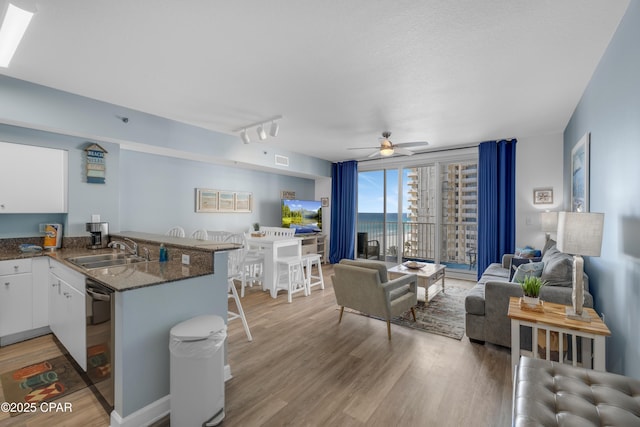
(309, 260)
(233, 294)
(291, 269)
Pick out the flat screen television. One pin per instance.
(303, 215)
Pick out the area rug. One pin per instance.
(41, 382)
(443, 315)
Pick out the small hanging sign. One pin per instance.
(96, 168)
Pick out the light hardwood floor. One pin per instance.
(305, 369)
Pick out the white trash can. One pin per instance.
(197, 371)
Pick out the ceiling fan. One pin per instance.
(388, 148)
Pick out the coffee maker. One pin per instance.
(99, 234)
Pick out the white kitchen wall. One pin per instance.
(538, 165)
(158, 192)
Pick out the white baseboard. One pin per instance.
(152, 412)
(23, 336)
(143, 416)
(227, 373)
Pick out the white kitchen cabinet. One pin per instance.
(16, 292)
(40, 301)
(38, 177)
(67, 310)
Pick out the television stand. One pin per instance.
(314, 243)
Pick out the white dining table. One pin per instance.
(274, 247)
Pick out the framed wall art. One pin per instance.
(243, 202)
(542, 196)
(580, 175)
(226, 201)
(206, 200)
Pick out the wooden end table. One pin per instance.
(428, 276)
(553, 318)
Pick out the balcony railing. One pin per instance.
(418, 241)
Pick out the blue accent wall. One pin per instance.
(158, 193)
(610, 111)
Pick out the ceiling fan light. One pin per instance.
(262, 135)
(275, 127)
(386, 151)
(245, 136)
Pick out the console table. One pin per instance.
(554, 319)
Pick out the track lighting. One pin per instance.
(262, 135)
(260, 129)
(245, 136)
(275, 127)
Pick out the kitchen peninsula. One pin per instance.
(149, 299)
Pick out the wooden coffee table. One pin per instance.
(428, 276)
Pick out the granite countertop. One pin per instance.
(133, 276)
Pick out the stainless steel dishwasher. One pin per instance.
(100, 333)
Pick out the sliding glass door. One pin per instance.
(424, 211)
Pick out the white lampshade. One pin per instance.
(580, 233)
(549, 221)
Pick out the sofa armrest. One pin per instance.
(496, 307)
(506, 260)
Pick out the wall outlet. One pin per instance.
(185, 259)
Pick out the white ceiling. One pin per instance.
(339, 71)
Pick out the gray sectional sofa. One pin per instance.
(487, 303)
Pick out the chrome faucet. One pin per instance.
(134, 245)
(122, 245)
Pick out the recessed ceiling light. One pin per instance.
(15, 24)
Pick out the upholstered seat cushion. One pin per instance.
(495, 271)
(555, 394)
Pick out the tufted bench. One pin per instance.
(553, 394)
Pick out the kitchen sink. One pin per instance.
(105, 260)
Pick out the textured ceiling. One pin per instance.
(339, 71)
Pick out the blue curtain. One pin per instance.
(496, 201)
(344, 186)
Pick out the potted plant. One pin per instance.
(531, 286)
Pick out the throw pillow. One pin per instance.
(525, 270)
(548, 245)
(558, 268)
(515, 263)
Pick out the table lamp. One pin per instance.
(579, 233)
(549, 223)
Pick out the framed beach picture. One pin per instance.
(580, 175)
(226, 201)
(243, 202)
(206, 200)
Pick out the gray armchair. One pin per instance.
(364, 286)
